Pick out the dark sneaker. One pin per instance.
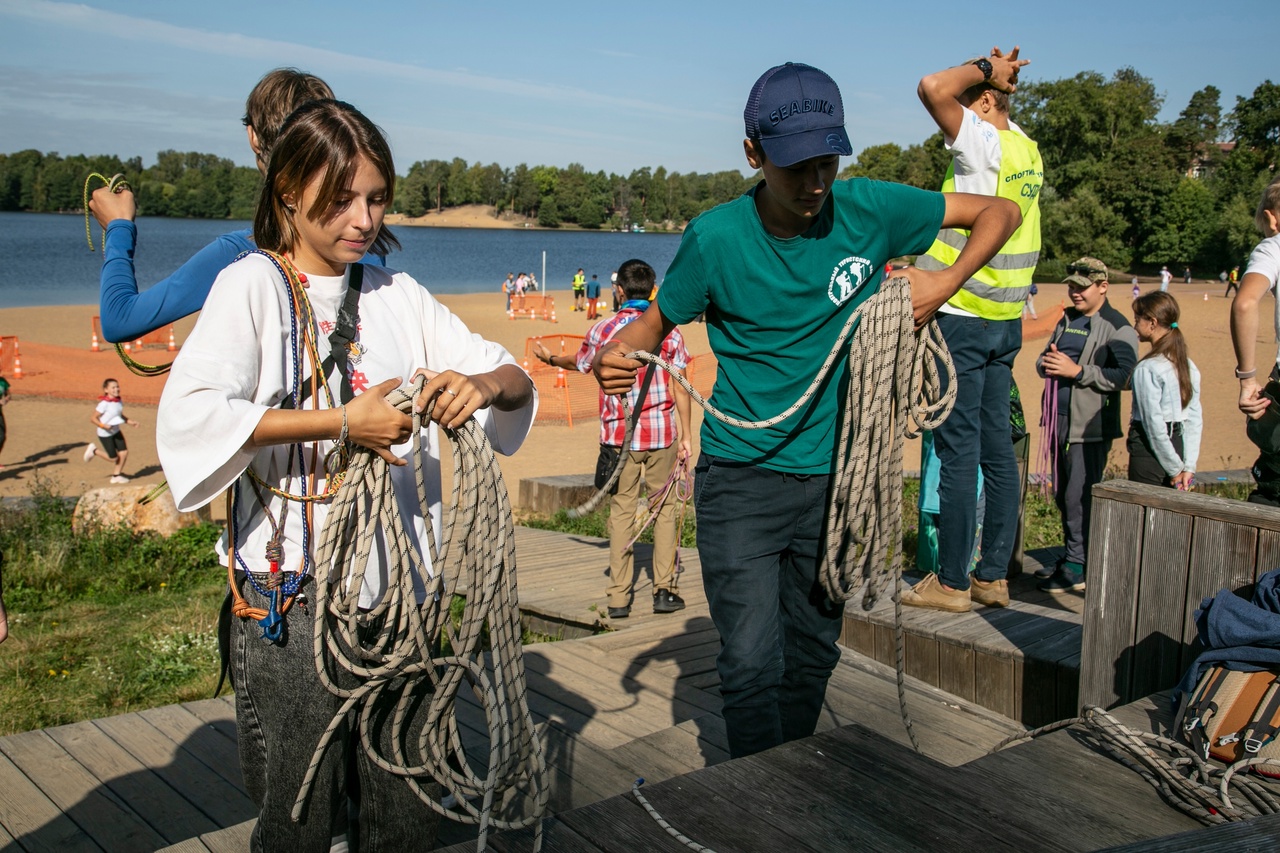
(620, 612)
(1063, 581)
(666, 601)
(1046, 572)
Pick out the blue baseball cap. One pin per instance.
(795, 113)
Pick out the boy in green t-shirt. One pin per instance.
(778, 271)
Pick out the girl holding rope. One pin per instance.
(245, 409)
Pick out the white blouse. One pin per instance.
(238, 363)
(1157, 403)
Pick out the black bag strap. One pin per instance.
(644, 390)
(1262, 728)
(344, 332)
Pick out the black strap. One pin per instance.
(344, 332)
(644, 389)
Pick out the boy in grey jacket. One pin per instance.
(1090, 356)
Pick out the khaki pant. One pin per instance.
(653, 466)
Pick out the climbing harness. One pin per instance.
(401, 649)
(115, 184)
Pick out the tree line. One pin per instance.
(1119, 184)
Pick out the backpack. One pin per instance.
(1233, 715)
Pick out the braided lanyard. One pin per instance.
(302, 336)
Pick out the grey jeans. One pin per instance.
(1080, 468)
(281, 711)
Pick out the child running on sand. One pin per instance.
(222, 426)
(108, 416)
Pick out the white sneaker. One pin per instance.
(89, 451)
(119, 478)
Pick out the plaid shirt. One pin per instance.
(657, 425)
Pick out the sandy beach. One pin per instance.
(49, 426)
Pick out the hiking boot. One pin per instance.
(931, 593)
(620, 612)
(90, 451)
(990, 593)
(666, 601)
(1063, 581)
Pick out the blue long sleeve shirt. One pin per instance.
(127, 313)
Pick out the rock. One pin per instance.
(112, 505)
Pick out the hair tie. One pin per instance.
(1173, 325)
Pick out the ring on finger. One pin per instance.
(451, 391)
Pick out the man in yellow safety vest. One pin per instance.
(982, 326)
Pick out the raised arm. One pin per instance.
(940, 92)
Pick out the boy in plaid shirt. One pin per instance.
(661, 439)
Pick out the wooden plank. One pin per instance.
(1189, 503)
(1268, 553)
(233, 839)
(1162, 593)
(956, 672)
(1251, 836)
(1222, 556)
(33, 819)
(190, 845)
(861, 635)
(922, 657)
(211, 748)
(133, 782)
(994, 684)
(222, 802)
(1115, 545)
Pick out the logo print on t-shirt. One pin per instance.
(847, 279)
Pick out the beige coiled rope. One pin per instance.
(394, 649)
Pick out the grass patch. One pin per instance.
(597, 524)
(105, 622)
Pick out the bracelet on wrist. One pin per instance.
(342, 436)
(1246, 374)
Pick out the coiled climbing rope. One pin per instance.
(116, 183)
(400, 649)
(1184, 779)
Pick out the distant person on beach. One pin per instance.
(1233, 282)
(126, 313)
(221, 426)
(1029, 306)
(5, 397)
(761, 494)
(1165, 278)
(1186, 275)
(108, 416)
(613, 286)
(522, 284)
(1137, 291)
(579, 289)
(1166, 423)
(507, 287)
(1088, 360)
(982, 325)
(1257, 397)
(593, 297)
(661, 441)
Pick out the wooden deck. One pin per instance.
(1021, 661)
(640, 700)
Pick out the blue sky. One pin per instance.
(610, 85)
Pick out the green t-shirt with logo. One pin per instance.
(775, 307)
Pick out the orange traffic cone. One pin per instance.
(17, 363)
(128, 347)
(1206, 297)
(561, 381)
(93, 344)
(553, 315)
(173, 343)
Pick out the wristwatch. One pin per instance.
(984, 65)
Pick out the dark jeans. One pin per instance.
(1080, 467)
(977, 433)
(760, 538)
(281, 711)
(1144, 467)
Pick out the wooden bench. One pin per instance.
(1154, 554)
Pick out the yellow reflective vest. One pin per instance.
(997, 291)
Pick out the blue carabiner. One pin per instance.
(273, 623)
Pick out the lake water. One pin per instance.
(44, 259)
